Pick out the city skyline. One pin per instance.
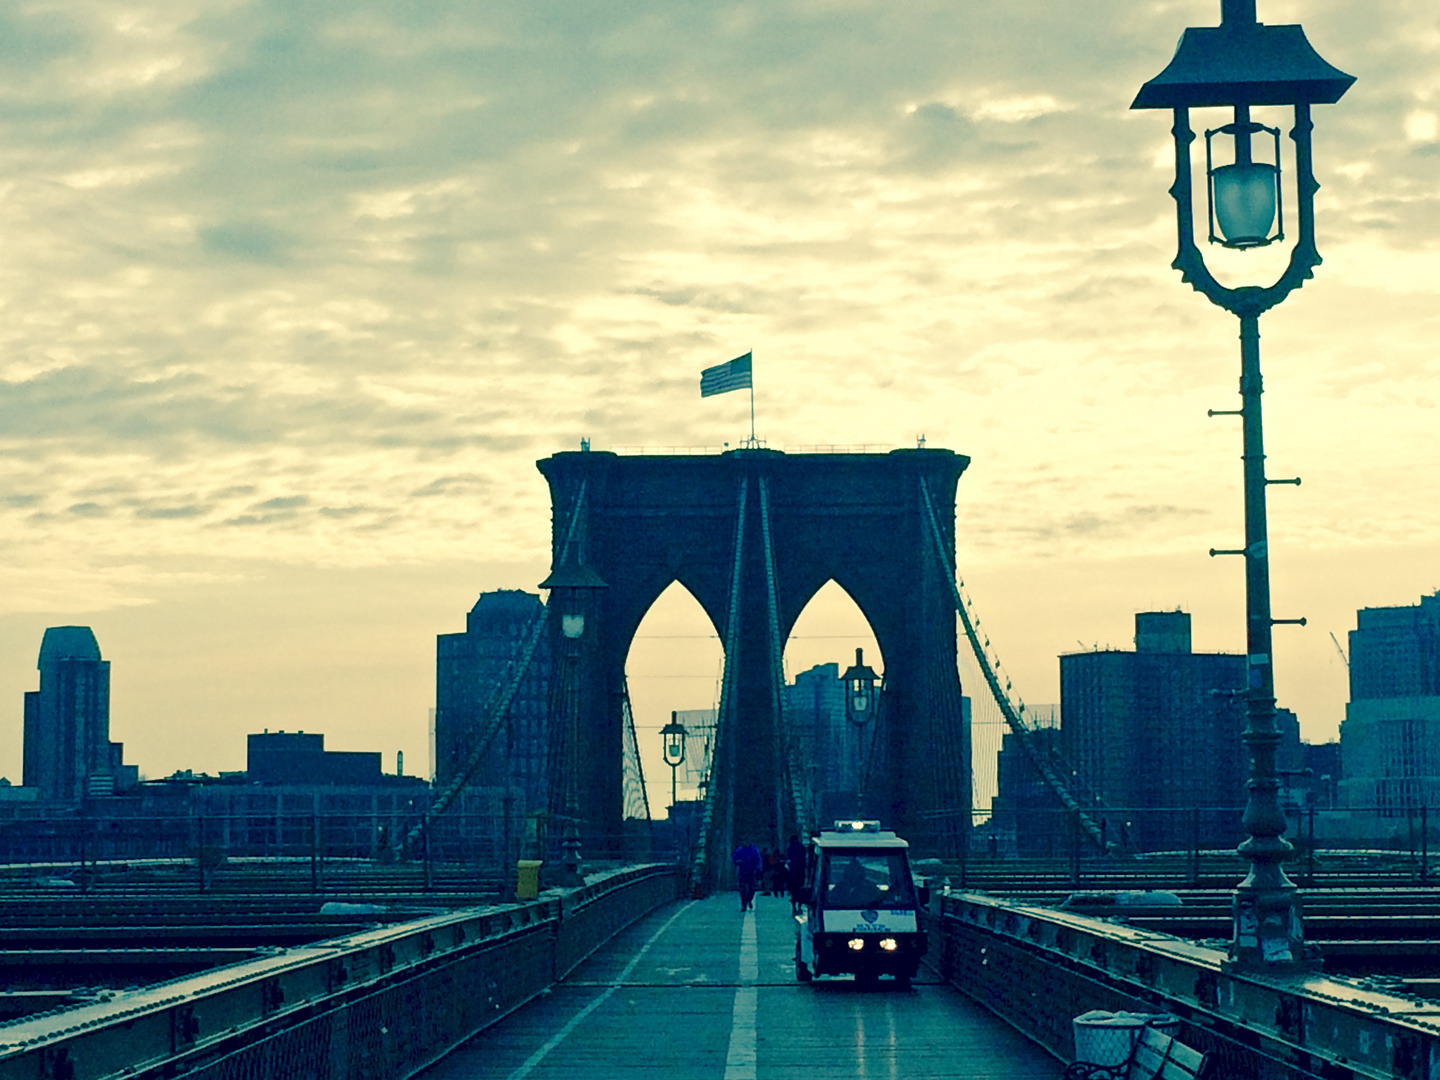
(296, 299)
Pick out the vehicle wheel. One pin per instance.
(802, 973)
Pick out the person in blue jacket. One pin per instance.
(747, 862)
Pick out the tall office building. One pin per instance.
(471, 672)
(829, 744)
(1157, 732)
(1395, 651)
(1388, 740)
(68, 755)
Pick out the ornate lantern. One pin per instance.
(861, 690)
(1237, 65)
(673, 735)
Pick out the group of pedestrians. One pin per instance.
(772, 871)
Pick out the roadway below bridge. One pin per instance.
(696, 990)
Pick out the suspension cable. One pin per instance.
(488, 729)
(722, 757)
(499, 711)
(1014, 716)
(784, 744)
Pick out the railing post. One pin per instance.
(425, 845)
(1195, 847)
(965, 849)
(1310, 857)
(1424, 845)
(314, 852)
(1075, 848)
(507, 857)
(84, 852)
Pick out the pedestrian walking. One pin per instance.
(795, 873)
(748, 864)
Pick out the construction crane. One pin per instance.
(1343, 658)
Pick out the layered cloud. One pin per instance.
(319, 282)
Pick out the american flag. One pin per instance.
(722, 378)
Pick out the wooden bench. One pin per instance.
(1155, 1056)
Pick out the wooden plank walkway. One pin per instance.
(698, 991)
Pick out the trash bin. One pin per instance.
(1107, 1038)
(527, 879)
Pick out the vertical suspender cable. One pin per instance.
(636, 797)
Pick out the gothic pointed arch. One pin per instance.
(673, 665)
(753, 535)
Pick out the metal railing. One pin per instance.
(383, 1002)
(840, 448)
(669, 451)
(286, 851)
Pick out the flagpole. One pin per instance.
(752, 406)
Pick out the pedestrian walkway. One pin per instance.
(700, 991)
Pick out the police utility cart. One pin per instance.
(861, 911)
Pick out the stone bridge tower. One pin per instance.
(629, 526)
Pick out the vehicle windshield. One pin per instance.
(868, 879)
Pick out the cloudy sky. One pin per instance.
(293, 295)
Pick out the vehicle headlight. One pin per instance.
(889, 944)
(856, 944)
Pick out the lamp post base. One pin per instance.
(1268, 935)
(568, 874)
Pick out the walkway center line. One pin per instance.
(740, 1059)
(575, 1021)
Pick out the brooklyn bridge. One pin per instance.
(631, 957)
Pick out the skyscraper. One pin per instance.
(1388, 740)
(830, 746)
(68, 753)
(471, 671)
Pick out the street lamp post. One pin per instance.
(861, 690)
(673, 735)
(1240, 64)
(573, 588)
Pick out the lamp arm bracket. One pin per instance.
(1224, 412)
(1220, 551)
(1288, 622)
(1293, 480)
(1249, 300)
